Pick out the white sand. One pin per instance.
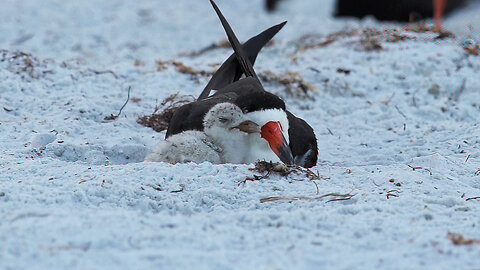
(74, 193)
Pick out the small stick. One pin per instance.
(103, 72)
(339, 199)
(387, 101)
(400, 112)
(414, 168)
(316, 187)
(157, 187)
(114, 117)
(298, 198)
(418, 168)
(473, 198)
(182, 187)
(456, 94)
(128, 98)
(390, 194)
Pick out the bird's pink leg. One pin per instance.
(439, 7)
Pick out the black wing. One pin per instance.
(247, 93)
(250, 95)
(304, 145)
(230, 71)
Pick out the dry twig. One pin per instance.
(114, 117)
(182, 187)
(419, 168)
(400, 112)
(336, 197)
(456, 95)
(392, 193)
(383, 101)
(103, 72)
(156, 187)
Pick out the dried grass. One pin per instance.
(459, 240)
(473, 50)
(366, 39)
(267, 168)
(24, 64)
(423, 28)
(295, 85)
(160, 118)
(181, 68)
(221, 44)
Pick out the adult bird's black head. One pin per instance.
(283, 136)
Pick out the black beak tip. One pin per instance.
(286, 156)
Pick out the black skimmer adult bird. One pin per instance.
(283, 136)
(397, 10)
(225, 127)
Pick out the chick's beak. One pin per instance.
(247, 127)
(272, 132)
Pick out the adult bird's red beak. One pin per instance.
(272, 132)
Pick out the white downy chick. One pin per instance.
(188, 146)
(223, 140)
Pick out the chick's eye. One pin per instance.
(223, 120)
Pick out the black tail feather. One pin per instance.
(230, 71)
(245, 64)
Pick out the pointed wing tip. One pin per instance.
(280, 25)
(213, 4)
